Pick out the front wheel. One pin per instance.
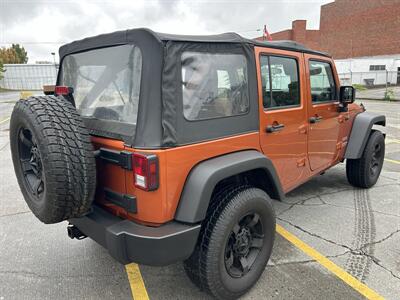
(235, 243)
(364, 172)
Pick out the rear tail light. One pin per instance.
(63, 90)
(66, 92)
(145, 168)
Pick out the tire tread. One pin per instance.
(223, 206)
(357, 169)
(67, 156)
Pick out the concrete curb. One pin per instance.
(378, 99)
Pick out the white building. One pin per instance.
(28, 76)
(371, 70)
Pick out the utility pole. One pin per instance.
(54, 60)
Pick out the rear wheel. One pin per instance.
(364, 172)
(235, 243)
(53, 158)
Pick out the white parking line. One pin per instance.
(5, 120)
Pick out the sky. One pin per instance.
(42, 26)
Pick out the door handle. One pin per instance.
(315, 119)
(275, 127)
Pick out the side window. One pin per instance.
(280, 82)
(214, 85)
(322, 83)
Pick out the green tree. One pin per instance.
(21, 54)
(1, 69)
(14, 55)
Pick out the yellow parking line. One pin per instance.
(391, 141)
(138, 288)
(5, 120)
(392, 161)
(328, 264)
(139, 291)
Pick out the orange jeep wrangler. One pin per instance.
(166, 148)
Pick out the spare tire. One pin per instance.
(53, 158)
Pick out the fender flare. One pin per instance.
(203, 178)
(360, 132)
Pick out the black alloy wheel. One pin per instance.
(364, 172)
(31, 163)
(244, 245)
(235, 242)
(376, 159)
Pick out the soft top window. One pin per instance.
(214, 85)
(106, 82)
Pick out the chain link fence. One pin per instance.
(28, 76)
(370, 79)
(370, 85)
(374, 85)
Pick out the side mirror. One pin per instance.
(347, 94)
(315, 71)
(276, 71)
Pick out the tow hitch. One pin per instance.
(75, 233)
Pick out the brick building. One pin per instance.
(363, 36)
(351, 28)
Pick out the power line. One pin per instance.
(253, 30)
(31, 43)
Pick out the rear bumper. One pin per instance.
(128, 242)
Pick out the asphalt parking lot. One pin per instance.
(327, 231)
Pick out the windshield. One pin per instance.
(106, 82)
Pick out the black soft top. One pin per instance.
(126, 36)
(232, 37)
(160, 121)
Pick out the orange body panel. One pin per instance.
(286, 148)
(327, 140)
(109, 175)
(298, 152)
(159, 206)
(303, 150)
(323, 136)
(181, 160)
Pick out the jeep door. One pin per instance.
(283, 115)
(323, 115)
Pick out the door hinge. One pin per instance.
(127, 202)
(301, 162)
(342, 118)
(122, 158)
(303, 129)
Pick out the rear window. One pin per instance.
(214, 85)
(106, 82)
